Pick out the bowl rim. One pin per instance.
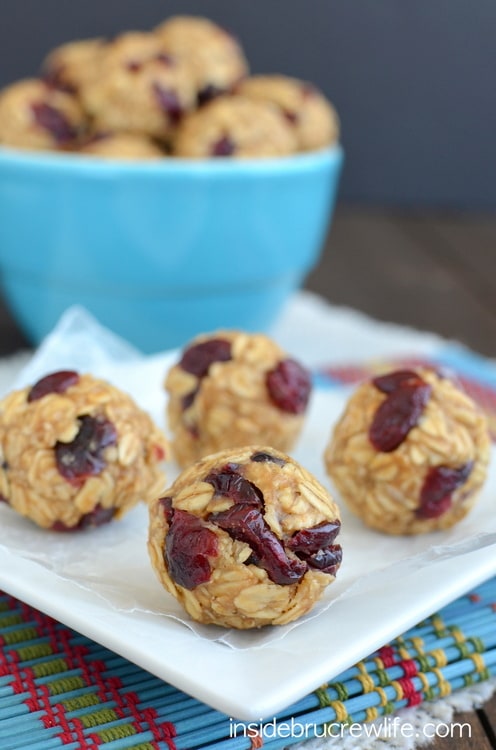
(92, 165)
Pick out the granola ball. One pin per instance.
(72, 65)
(312, 117)
(231, 389)
(34, 115)
(128, 146)
(245, 538)
(76, 452)
(140, 88)
(215, 58)
(410, 453)
(234, 126)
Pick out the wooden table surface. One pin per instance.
(433, 272)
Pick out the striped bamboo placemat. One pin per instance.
(59, 689)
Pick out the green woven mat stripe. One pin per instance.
(59, 689)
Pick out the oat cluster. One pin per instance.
(223, 498)
(431, 480)
(76, 452)
(182, 89)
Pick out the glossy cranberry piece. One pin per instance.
(83, 456)
(316, 546)
(56, 382)
(326, 560)
(394, 380)
(166, 504)
(168, 102)
(262, 457)
(229, 483)
(407, 396)
(311, 540)
(51, 119)
(188, 546)
(247, 524)
(198, 358)
(438, 488)
(97, 517)
(224, 146)
(289, 386)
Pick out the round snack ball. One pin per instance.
(215, 58)
(128, 146)
(231, 389)
(410, 453)
(76, 452)
(245, 538)
(234, 126)
(72, 65)
(140, 88)
(34, 115)
(312, 117)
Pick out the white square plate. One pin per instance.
(101, 584)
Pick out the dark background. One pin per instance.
(413, 82)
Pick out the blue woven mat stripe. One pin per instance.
(59, 689)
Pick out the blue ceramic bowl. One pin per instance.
(160, 251)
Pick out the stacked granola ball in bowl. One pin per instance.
(159, 149)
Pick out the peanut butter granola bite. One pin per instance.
(215, 58)
(312, 117)
(34, 115)
(410, 453)
(72, 65)
(245, 538)
(76, 452)
(231, 389)
(140, 87)
(237, 127)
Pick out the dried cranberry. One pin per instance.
(188, 545)
(97, 517)
(165, 59)
(83, 456)
(262, 457)
(326, 560)
(437, 490)
(292, 117)
(188, 399)
(3, 499)
(224, 146)
(168, 101)
(56, 382)
(246, 523)
(407, 395)
(198, 358)
(134, 66)
(229, 483)
(311, 540)
(208, 92)
(52, 119)
(316, 546)
(394, 380)
(289, 386)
